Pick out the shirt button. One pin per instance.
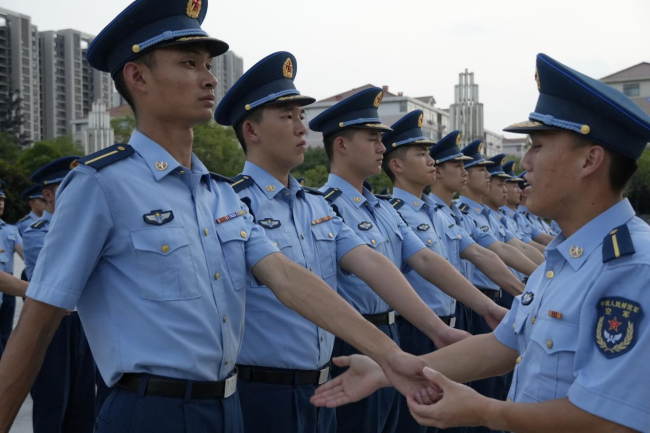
(275, 243)
(217, 275)
(533, 320)
(518, 359)
(550, 274)
(181, 172)
(322, 338)
(509, 399)
(387, 240)
(225, 319)
(165, 248)
(429, 241)
(243, 234)
(302, 236)
(331, 235)
(549, 344)
(206, 231)
(373, 242)
(227, 362)
(311, 269)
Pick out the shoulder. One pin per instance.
(221, 178)
(332, 194)
(396, 203)
(39, 224)
(24, 219)
(241, 181)
(108, 156)
(631, 240)
(464, 208)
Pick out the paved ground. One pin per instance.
(23, 423)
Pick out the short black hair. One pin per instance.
(397, 153)
(149, 60)
(621, 168)
(328, 140)
(254, 116)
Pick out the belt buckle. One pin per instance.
(231, 386)
(452, 322)
(323, 375)
(391, 317)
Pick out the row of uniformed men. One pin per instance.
(169, 247)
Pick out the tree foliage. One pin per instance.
(12, 118)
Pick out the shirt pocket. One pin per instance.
(281, 240)
(233, 236)
(165, 269)
(325, 240)
(552, 347)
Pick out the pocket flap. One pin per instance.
(162, 240)
(555, 337)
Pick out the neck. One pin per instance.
(351, 176)
(37, 213)
(467, 192)
(491, 206)
(177, 141)
(443, 193)
(410, 187)
(279, 171)
(580, 212)
(512, 206)
(49, 208)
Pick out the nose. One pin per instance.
(301, 128)
(525, 161)
(430, 161)
(381, 148)
(210, 81)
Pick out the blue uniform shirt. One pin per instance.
(575, 306)
(9, 238)
(381, 228)
(531, 230)
(536, 221)
(154, 255)
(26, 221)
(485, 223)
(308, 232)
(511, 224)
(33, 242)
(421, 216)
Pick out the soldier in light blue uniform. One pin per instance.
(10, 242)
(411, 169)
(285, 356)
(352, 141)
(34, 198)
(63, 393)
(578, 339)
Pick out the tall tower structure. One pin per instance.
(466, 113)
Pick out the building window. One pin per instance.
(403, 106)
(631, 89)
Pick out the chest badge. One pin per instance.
(485, 228)
(617, 326)
(365, 226)
(527, 298)
(158, 217)
(424, 227)
(269, 223)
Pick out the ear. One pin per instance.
(396, 165)
(340, 145)
(250, 132)
(135, 77)
(595, 157)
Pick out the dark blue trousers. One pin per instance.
(7, 310)
(64, 390)
(377, 413)
(269, 408)
(133, 412)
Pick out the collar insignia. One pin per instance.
(365, 226)
(527, 298)
(617, 326)
(424, 227)
(223, 219)
(357, 199)
(158, 217)
(269, 223)
(576, 251)
(321, 220)
(270, 188)
(161, 165)
(193, 8)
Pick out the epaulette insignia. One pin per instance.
(37, 224)
(241, 181)
(617, 243)
(384, 196)
(332, 194)
(464, 208)
(25, 218)
(220, 177)
(104, 157)
(312, 190)
(397, 203)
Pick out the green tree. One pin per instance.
(43, 152)
(217, 147)
(12, 118)
(8, 149)
(17, 179)
(638, 189)
(123, 128)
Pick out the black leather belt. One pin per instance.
(283, 376)
(176, 388)
(492, 294)
(448, 320)
(387, 318)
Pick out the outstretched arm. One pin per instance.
(489, 263)
(529, 251)
(514, 258)
(12, 285)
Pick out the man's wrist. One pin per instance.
(491, 413)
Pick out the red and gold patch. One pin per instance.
(193, 8)
(539, 83)
(287, 68)
(420, 120)
(458, 141)
(378, 99)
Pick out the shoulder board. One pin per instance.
(220, 178)
(384, 196)
(617, 243)
(397, 203)
(104, 157)
(464, 208)
(312, 190)
(502, 211)
(37, 224)
(241, 181)
(25, 218)
(332, 194)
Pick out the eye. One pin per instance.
(191, 63)
(208, 65)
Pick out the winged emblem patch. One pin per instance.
(158, 217)
(365, 226)
(424, 227)
(269, 223)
